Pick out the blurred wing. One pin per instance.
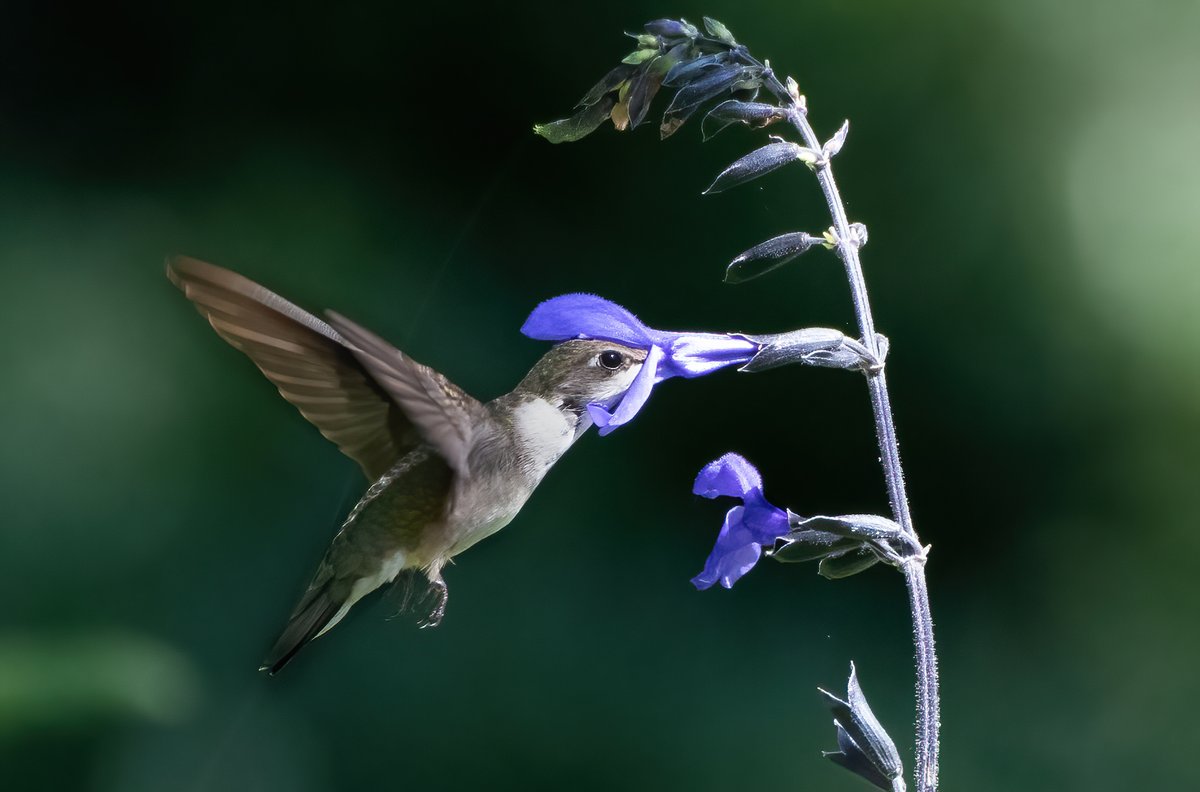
(440, 410)
(305, 358)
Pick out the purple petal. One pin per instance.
(575, 315)
(734, 554)
(695, 354)
(747, 528)
(601, 417)
(765, 522)
(588, 316)
(731, 475)
(634, 398)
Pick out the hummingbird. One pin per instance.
(444, 469)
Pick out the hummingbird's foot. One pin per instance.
(438, 588)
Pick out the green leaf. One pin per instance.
(609, 82)
(639, 56)
(646, 83)
(580, 125)
(847, 564)
(718, 31)
(800, 546)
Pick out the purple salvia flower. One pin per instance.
(668, 354)
(747, 527)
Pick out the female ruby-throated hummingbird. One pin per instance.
(446, 470)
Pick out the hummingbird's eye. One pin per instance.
(611, 359)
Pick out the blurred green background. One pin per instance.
(1028, 172)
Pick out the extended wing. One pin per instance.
(442, 412)
(319, 370)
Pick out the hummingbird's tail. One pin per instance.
(317, 612)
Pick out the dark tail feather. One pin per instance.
(306, 623)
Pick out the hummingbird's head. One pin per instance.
(576, 373)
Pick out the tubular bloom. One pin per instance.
(668, 354)
(747, 527)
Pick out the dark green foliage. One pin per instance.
(674, 54)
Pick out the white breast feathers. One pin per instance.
(544, 433)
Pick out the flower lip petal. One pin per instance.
(574, 315)
(747, 527)
(734, 554)
(601, 417)
(736, 564)
(589, 316)
(732, 475)
(668, 354)
(633, 400)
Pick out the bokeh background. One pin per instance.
(1028, 172)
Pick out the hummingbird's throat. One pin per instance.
(544, 433)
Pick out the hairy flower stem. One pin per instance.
(889, 452)
(926, 770)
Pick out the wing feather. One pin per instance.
(310, 363)
(442, 412)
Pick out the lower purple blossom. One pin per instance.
(668, 354)
(747, 527)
